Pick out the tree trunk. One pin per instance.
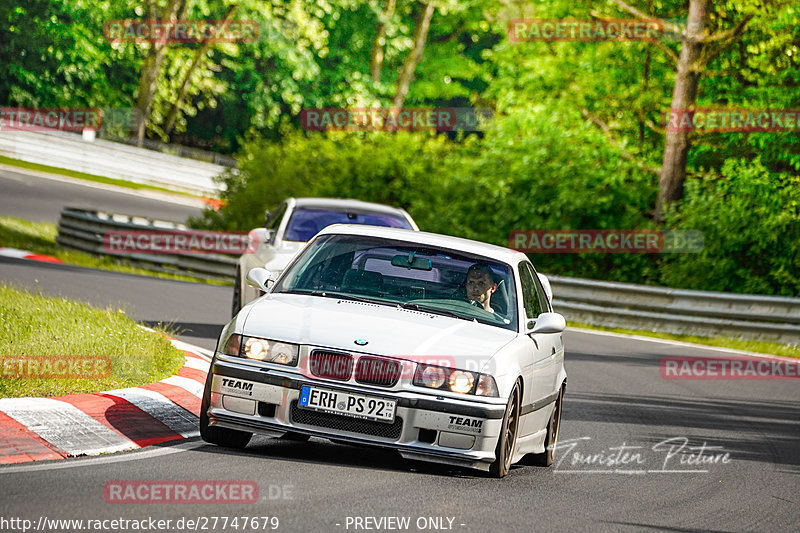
(148, 81)
(376, 58)
(684, 95)
(645, 79)
(172, 115)
(414, 55)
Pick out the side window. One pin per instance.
(542, 294)
(530, 294)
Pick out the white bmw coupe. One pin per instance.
(441, 348)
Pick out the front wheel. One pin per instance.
(227, 438)
(553, 428)
(507, 440)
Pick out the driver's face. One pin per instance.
(479, 286)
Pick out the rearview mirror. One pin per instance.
(409, 261)
(547, 323)
(260, 278)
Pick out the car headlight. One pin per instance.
(455, 380)
(461, 381)
(258, 349)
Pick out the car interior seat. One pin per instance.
(363, 282)
(499, 299)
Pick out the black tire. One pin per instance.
(228, 438)
(236, 305)
(507, 440)
(551, 441)
(296, 437)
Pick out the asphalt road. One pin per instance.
(40, 197)
(615, 397)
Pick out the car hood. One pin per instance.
(389, 331)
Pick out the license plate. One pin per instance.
(347, 404)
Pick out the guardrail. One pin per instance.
(112, 160)
(84, 230)
(679, 311)
(610, 304)
(184, 152)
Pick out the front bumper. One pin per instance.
(426, 426)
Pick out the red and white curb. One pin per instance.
(33, 429)
(25, 254)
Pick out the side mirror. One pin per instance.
(260, 278)
(548, 290)
(267, 217)
(258, 236)
(546, 323)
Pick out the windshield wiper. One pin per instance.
(425, 308)
(334, 294)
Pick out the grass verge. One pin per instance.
(771, 348)
(88, 177)
(40, 237)
(41, 326)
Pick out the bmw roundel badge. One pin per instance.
(361, 342)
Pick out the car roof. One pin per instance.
(346, 203)
(491, 251)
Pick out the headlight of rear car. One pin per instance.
(266, 350)
(455, 380)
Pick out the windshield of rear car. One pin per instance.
(307, 222)
(397, 273)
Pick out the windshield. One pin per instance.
(413, 276)
(306, 222)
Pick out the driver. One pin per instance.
(480, 285)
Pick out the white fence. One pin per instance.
(112, 160)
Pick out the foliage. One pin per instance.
(395, 169)
(575, 121)
(750, 219)
(537, 169)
